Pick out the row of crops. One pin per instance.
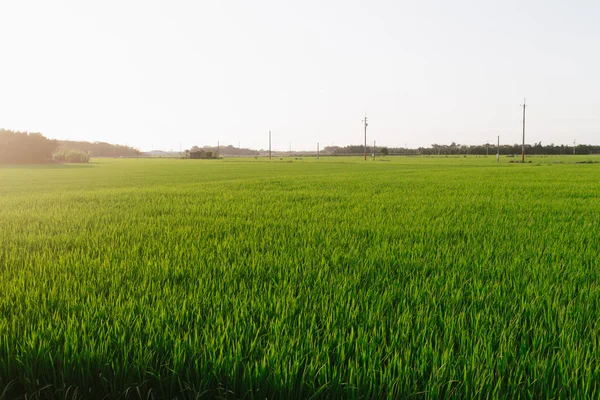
(250, 279)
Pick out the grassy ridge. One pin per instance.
(430, 277)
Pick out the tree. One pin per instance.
(384, 151)
(101, 149)
(25, 148)
(71, 155)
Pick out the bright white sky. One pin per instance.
(157, 73)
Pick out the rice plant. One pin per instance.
(424, 277)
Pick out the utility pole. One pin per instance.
(317, 151)
(366, 124)
(374, 144)
(218, 148)
(498, 151)
(573, 146)
(179, 149)
(487, 151)
(523, 146)
(269, 145)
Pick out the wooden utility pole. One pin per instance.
(498, 151)
(366, 124)
(523, 146)
(269, 145)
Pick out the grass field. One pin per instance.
(423, 277)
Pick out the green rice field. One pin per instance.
(293, 279)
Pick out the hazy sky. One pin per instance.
(157, 73)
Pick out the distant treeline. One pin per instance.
(33, 148)
(25, 148)
(224, 151)
(198, 153)
(102, 149)
(458, 149)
